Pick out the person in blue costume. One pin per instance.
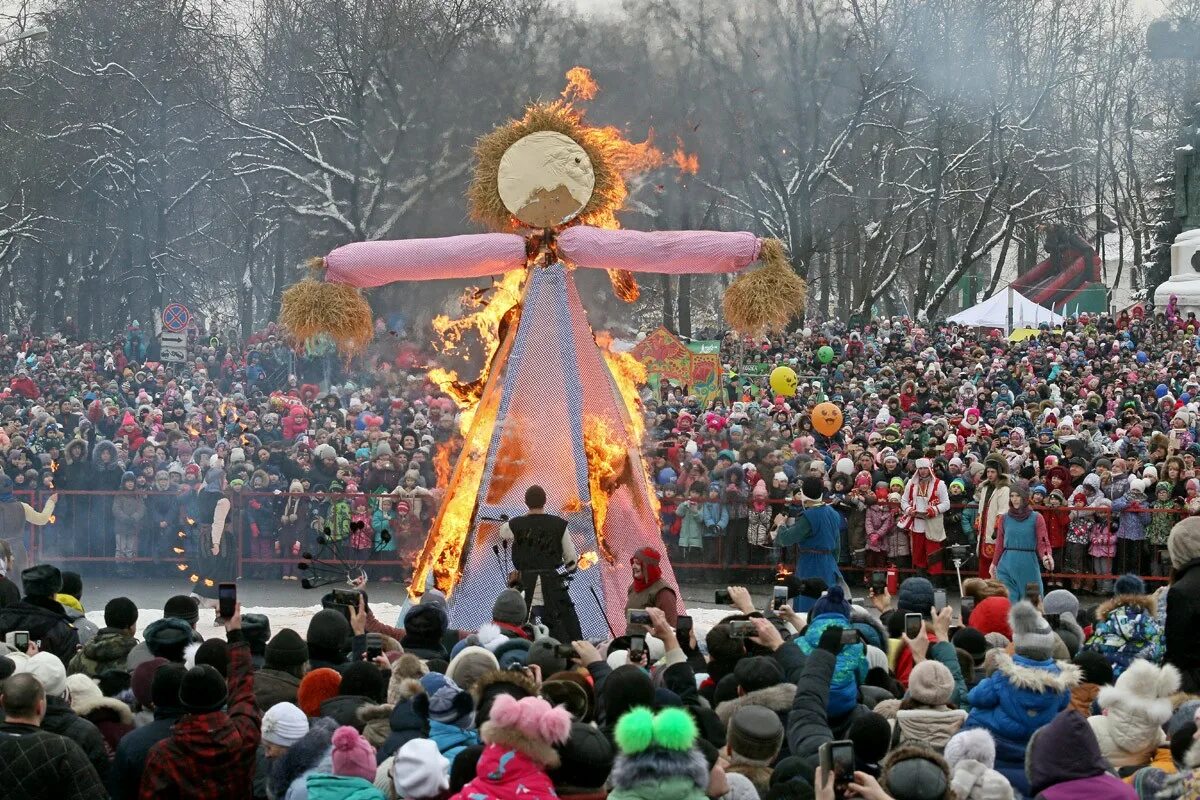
(1022, 546)
(816, 531)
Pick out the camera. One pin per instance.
(741, 628)
(639, 618)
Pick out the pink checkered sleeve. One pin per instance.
(367, 264)
(672, 252)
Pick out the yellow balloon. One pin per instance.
(784, 381)
(827, 419)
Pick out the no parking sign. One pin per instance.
(176, 317)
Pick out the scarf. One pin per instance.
(1020, 514)
(648, 557)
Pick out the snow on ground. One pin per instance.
(297, 618)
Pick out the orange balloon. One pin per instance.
(827, 419)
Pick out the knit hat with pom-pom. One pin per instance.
(530, 725)
(353, 756)
(658, 748)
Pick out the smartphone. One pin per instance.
(850, 636)
(346, 597)
(21, 641)
(226, 599)
(637, 645)
(967, 606)
(374, 645)
(639, 618)
(1033, 592)
(912, 625)
(939, 599)
(778, 597)
(683, 626)
(837, 759)
(878, 582)
(741, 628)
(721, 597)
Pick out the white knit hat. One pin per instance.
(284, 724)
(419, 770)
(1135, 708)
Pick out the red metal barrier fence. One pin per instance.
(271, 530)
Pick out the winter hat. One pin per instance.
(510, 608)
(757, 672)
(872, 737)
(7, 667)
(586, 759)
(496, 683)
(168, 637)
(657, 748)
(1032, 636)
(832, 602)
(974, 744)
(1059, 601)
(286, 649)
(419, 770)
(353, 756)
(428, 619)
(1094, 666)
(755, 733)
(49, 671)
(915, 773)
(1129, 584)
(202, 690)
(41, 580)
(315, 688)
(930, 683)
(183, 607)
(991, 616)
(1135, 709)
(1183, 543)
(530, 725)
(971, 756)
(541, 652)
(328, 636)
(470, 664)
(916, 596)
(812, 489)
(257, 630)
(215, 653)
(972, 642)
(405, 681)
(284, 724)
(444, 701)
(164, 686)
(363, 679)
(574, 695)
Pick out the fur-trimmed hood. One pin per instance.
(541, 752)
(376, 723)
(1141, 602)
(657, 764)
(932, 726)
(304, 755)
(777, 698)
(407, 668)
(1136, 707)
(1064, 677)
(86, 706)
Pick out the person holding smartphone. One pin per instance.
(1022, 546)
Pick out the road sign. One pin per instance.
(173, 347)
(175, 318)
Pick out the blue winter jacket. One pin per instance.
(1021, 696)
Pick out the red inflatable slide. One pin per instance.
(1071, 267)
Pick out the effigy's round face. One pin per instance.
(545, 179)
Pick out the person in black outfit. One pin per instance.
(541, 547)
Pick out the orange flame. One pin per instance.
(687, 163)
(628, 373)
(193, 578)
(608, 467)
(588, 560)
(54, 466)
(580, 85)
(624, 285)
(572, 505)
(53, 518)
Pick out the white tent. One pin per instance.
(993, 313)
